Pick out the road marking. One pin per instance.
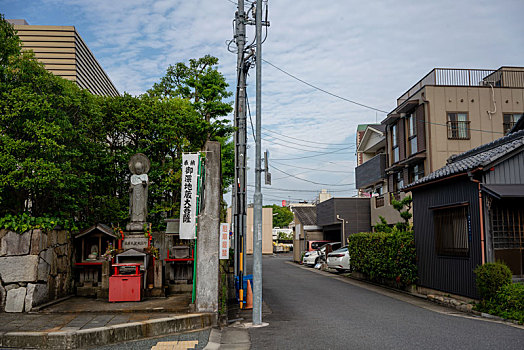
(175, 345)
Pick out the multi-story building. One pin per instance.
(64, 53)
(447, 112)
(370, 174)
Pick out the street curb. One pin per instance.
(107, 335)
(215, 337)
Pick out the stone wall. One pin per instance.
(35, 267)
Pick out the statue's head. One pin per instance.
(139, 168)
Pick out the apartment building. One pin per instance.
(64, 53)
(447, 112)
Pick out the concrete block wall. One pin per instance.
(35, 267)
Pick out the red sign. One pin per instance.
(284, 203)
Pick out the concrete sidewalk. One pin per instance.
(83, 323)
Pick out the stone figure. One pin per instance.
(139, 166)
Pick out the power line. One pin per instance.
(300, 149)
(330, 171)
(294, 138)
(315, 155)
(292, 190)
(313, 182)
(324, 91)
(300, 144)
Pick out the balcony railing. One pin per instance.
(371, 171)
(466, 77)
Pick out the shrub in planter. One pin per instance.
(490, 278)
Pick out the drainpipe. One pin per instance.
(343, 229)
(481, 215)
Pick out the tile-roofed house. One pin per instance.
(306, 215)
(475, 159)
(470, 212)
(306, 229)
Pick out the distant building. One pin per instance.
(64, 53)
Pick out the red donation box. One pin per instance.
(126, 283)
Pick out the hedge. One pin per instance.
(384, 255)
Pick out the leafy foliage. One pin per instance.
(64, 152)
(24, 222)
(282, 216)
(490, 277)
(507, 303)
(384, 255)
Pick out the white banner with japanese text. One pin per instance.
(188, 198)
(224, 241)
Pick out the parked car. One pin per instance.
(339, 260)
(315, 256)
(314, 245)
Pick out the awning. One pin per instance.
(504, 191)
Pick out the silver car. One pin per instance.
(339, 259)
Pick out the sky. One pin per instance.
(367, 52)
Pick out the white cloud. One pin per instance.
(370, 52)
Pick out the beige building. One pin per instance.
(267, 230)
(64, 53)
(447, 112)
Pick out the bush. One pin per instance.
(508, 303)
(490, 278)
(384, 255)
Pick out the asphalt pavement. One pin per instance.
(318, 310)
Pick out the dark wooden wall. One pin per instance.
(450, 274)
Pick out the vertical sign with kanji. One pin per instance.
(224, 241)
(188, 198)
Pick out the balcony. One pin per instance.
(467, 77)
(371, 171)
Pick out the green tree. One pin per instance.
(205, 87)
(9, 45)
(282, 216)
(44, 139)
(201, 83)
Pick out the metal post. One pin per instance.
(257, 217)
(239, 191)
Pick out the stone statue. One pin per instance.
(139, 166)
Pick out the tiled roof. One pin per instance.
(475, 158)
(306, 215)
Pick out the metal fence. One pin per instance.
(467, 77)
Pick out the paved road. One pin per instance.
(310, 310)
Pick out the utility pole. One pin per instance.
(240, 138)
(257, 218)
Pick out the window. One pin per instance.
(412, 134)
(510, 119)
(417, 172)
(458, 126)
(452, 231)
(394, 143)
(399, 181)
